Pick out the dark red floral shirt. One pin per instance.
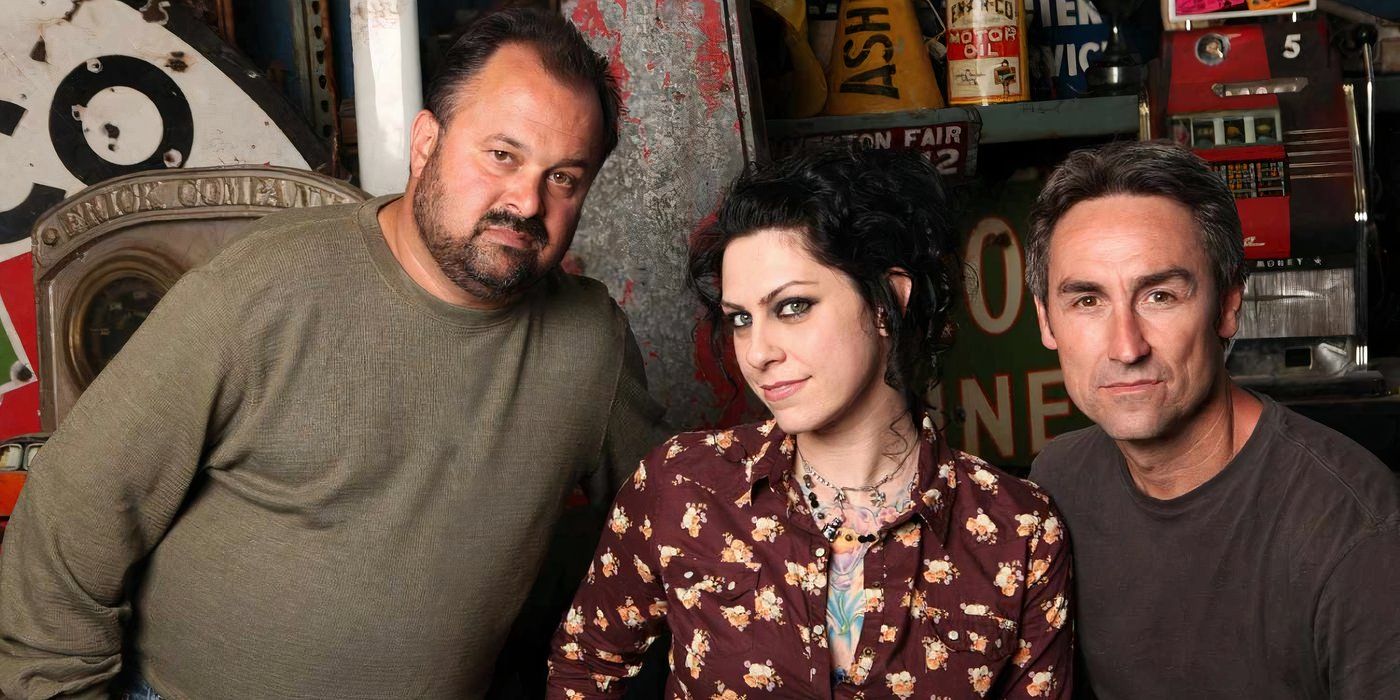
(967, 594)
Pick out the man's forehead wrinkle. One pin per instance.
(523, 145)
(572, 132)
(508, 140)
(522, 142)
(1075, 285)
(463, 96)
(1179, 274)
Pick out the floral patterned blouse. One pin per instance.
(967, 594)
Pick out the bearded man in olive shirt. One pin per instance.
(328, 464)
(1225, 547)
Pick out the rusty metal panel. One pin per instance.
(689, 129)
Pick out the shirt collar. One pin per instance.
(775, 455)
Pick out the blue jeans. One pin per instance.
(141, 690)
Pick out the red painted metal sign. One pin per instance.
(946, 145)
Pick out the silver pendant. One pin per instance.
(829, 532)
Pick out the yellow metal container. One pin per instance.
(878, 61)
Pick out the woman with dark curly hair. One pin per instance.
(841, 549)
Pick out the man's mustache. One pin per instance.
(500, 218)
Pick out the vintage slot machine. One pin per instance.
(1265, 105)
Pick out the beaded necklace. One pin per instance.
(831, 527)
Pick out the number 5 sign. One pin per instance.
(94, 89)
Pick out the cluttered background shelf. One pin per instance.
(999, 123)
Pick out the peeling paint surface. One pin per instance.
(679, 148)
(73, 10)
(154, 11)
(712, 58)
(78, 36)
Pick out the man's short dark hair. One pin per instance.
(1146, 168)
(562, 49)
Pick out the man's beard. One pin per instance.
(484, 270)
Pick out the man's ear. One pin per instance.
(1042, 318)
(422, 139)
(1230, 302)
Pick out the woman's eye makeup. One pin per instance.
(793, 307)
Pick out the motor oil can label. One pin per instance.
(986, 52)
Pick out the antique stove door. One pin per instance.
(104, 257)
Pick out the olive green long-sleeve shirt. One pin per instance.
(305, 477)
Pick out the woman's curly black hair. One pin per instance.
(863, 212)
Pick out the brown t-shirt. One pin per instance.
(1279, 578)
(307, 477)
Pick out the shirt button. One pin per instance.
(730, 586)
(690, 574)
(953, 635)
(820, 551)
(818, 629)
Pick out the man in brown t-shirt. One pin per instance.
(1225, 547)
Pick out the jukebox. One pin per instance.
(1265, 105)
